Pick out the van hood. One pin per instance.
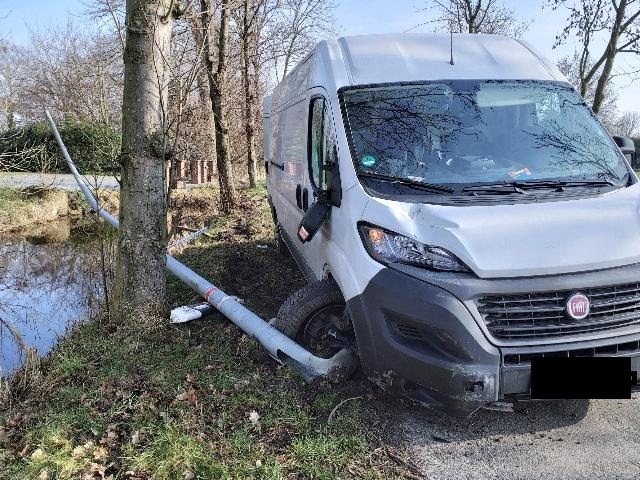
(527, 239)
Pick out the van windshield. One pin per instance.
(458, 133)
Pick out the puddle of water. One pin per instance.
(48, 282)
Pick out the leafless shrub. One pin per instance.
(475, 16)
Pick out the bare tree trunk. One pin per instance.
(598, 94)
(216, 83)
(11, 116)
(175, 104)
(140, 281)
(287, 57)
(612, 50)
(257, 91)
(248, 97)
(104, 113)
(204, 96)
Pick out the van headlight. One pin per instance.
(389, 247)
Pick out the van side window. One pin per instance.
(322, 140)
(316, 146)
(329, 143)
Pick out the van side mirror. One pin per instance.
(334, 184)
(331, 191)
(628, 149)
(312, 221)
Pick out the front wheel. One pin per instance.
(316, 316)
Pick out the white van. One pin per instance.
(463, 202)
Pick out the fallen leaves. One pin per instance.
(254, 418)
(37, 455)
(389, 460)
(190, 396)
(188, 475)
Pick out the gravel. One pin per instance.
(577, 439)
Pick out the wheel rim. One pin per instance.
(319, 331)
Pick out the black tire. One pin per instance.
(281, 246)
(301, 305)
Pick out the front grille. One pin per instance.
(407, 331)
(627, 349)
(543, 315)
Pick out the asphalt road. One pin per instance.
(579, 439)
(66, 182)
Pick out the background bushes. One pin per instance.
(94, 148)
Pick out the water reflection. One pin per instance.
(48, 282)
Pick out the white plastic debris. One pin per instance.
(254, 418)
(184, 314)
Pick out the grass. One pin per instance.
(199, 400)
(21, 208)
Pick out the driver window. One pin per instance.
(329, 142)
(315, 140)
(321, 142)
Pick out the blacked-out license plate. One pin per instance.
(582, 377)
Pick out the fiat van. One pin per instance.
(458, 211)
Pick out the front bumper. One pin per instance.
(418, 333)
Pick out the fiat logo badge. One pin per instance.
(578, 306)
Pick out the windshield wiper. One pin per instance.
(430, 187)
(521, 186)
(566, 183)
(505, 188)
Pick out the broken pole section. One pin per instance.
(279, 346)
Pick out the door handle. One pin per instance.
(305, 200)
(299, 196)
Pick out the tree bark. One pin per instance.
(11, 117)
(248, 97)
(216, 84)
(140, 276)
(204, 96)
(257, 91)
(612, 50)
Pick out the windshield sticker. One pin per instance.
(519, 173)
(368, 161)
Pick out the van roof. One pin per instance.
(370, 59)
(411, 57)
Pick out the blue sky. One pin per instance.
(353, 16)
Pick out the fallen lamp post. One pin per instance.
(279, 346)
